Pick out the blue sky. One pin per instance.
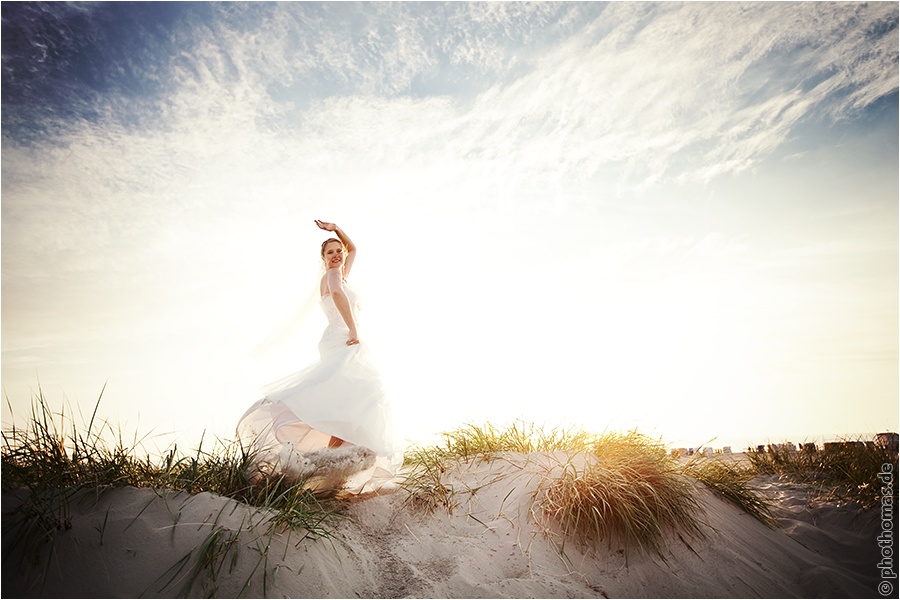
(675, 217)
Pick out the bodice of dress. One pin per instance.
(335, 335)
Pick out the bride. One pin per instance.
(329, 424)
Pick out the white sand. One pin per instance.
(129, 542)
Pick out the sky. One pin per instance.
(675, 218)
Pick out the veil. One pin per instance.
(278, 341)
(287, 328)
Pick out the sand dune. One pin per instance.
(129, 542)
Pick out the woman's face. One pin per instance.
(333, 255)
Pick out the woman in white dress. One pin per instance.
(329, 424)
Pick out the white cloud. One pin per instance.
(170, 238)
(664, 92)
(653, 91)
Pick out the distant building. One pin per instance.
(726, 449)
(789, 447)
(847, 444)
(889, 440)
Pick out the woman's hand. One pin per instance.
(326, 226)
(353, 338)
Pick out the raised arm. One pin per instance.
(345, 240)
(342, 302)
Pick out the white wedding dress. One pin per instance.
(342, 396)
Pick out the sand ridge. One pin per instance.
(129, 542)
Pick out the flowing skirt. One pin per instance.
(341, 396)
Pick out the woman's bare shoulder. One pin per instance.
(331, 278)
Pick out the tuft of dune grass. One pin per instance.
(732, 482)
(846, 471)
(483, 441)
(426, 466)
(629, 490)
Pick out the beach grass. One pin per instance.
(612, 486)
(484, 441)
(427, 465)
(628, 490)
(731, 481)
(55, 459)
(53, 454)
(844, 471)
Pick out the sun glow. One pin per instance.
(600, 352)
(540, 237)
